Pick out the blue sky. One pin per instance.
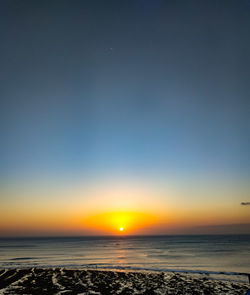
(124, 87)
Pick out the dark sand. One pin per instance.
(67, 281)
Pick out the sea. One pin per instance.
(229, 254)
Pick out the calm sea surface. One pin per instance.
(205, 253)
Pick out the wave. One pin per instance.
(25, 258)
(86, 281)
(118, 267)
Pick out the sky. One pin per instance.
(129, 114)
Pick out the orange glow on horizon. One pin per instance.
(117, 221)
(120, 209)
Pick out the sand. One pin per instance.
(68, 281)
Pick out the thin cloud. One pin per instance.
(245, 203)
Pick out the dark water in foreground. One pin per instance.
(205, 253)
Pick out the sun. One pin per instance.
(121, 228)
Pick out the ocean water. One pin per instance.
(229, 253)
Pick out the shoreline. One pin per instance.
(227, 275)
(102, 281)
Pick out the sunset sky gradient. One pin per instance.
(130, 114)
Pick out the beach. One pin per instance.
(125, 265)
(91, 281)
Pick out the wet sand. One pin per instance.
(68, 281)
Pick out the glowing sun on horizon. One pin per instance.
(119, 222)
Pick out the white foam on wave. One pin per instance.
(230, 276)
(15, 283)
(3, 272)
(55, 282)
